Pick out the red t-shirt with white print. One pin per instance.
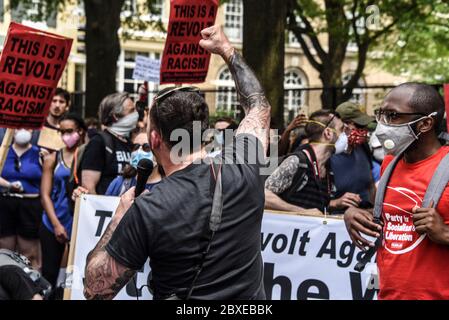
(411, 266)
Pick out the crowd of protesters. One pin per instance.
(329, 160)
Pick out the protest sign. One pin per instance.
(50, 139)
(31, 65)
(305, 257)
(147, 69)
(184, 60)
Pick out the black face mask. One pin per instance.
(91, 132)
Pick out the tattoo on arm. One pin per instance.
(282, 178)
(104, 277)
(252, 99)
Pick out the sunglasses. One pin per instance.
(145, 147)
(336, 115)
(169, 92)
(388, 116)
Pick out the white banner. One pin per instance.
(304, 257)
(147, 69)
(91, 220)
(309, 257)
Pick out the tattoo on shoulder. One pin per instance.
(282, 178)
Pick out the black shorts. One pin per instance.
(20, 216)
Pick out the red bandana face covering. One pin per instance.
(357, 137)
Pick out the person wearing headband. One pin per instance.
(304, 179)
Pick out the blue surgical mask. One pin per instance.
(138, 155)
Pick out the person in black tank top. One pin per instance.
(304, 180)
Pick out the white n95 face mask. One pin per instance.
(396, 138)
(22, 137)
(341, 145)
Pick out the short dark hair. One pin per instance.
(425, 99)
(178, 110)
(63, 93)
(91, 121)
(75, 118)
(313, 130)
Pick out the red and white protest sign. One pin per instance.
(184, 61)
(31, 65)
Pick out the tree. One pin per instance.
(325, 28)
(103, 21)
(420, 50)
(263, 48)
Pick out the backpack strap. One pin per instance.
(382, 187)
(377, 214)
(438, 183)
(109, 146)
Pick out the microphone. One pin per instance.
(144, 169)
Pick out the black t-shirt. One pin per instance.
(167, 224)
(95, 158)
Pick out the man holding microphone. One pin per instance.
(170, 224)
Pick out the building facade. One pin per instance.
(299, 74)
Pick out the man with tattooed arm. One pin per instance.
(167, 224)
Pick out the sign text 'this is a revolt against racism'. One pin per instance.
(184, 61)
(31, 65)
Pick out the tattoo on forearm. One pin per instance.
(282, 178)
(252, 99)
(104, 277)
(248, 87)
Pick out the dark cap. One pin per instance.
(351, 111)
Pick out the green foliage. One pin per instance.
(420, 49)
(133, 21)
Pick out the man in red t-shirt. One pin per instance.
(414, 256)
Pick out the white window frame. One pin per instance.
(358, 94)
(120, 76)
(231, 96)
(234, 8)
(290, 96)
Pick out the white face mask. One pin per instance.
(219, 138)
(341, 145)
(396, 138)
(22, 137)
(125, 125)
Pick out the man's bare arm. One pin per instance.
(250, 92)
(104, 277)
(274, 202)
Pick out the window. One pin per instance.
(292, 40)
(358, 94)
(158, 7)
(2, 11)
(129, 8)
(234, 19)
(27, 13)
(360, 25)
(294, 99)
(226, 97)
(125, 69)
